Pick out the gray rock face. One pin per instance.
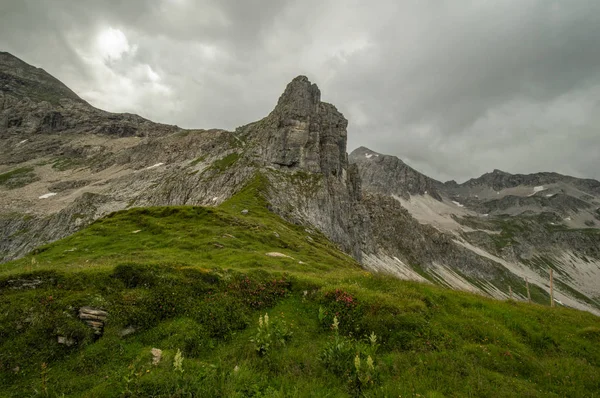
(301, 146)
(301, 133)
(391, 176)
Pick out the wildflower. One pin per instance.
(373, 338)
(260, 322)
(336, 323)
(357, 362)
(236, 369)
(178, 361)
(370, 363)
(266, 320)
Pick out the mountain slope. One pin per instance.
(196, 280)
(523, 224)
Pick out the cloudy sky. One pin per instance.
(455, 88)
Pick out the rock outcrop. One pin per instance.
(94, 318)
(301, 145)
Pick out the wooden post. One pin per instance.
(510, 290)
(528, 294)
(551, 290)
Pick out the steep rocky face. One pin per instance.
(391, 176)
(301, 146)
(301, 133)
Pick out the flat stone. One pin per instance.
(66, 341)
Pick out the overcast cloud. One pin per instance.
(454, 88)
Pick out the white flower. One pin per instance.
(357, 362)
(178, 361)
(370, 363)
(373, 338)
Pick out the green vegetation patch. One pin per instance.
(18, 178)
(66, 163)
(225, 163)
(197, 160)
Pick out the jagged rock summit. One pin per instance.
(302, 133)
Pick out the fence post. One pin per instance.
(528, 293)
(551, 289)
(510, 290)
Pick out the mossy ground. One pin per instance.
(197, 279)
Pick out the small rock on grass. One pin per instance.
(156, 355)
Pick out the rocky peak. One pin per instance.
(300, 99)
(21, 80)
(302, 133)
(391, 176)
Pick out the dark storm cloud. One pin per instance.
(454, 88)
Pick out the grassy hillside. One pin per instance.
(195, 282)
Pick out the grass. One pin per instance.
(197, 280)
(66, 163)
(18, 177)
(197, 160)
(225, 163)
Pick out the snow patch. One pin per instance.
(154, 166)
(22, 142)
(47, 195)
(537, 189)
(458, 204)
(368, 155)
